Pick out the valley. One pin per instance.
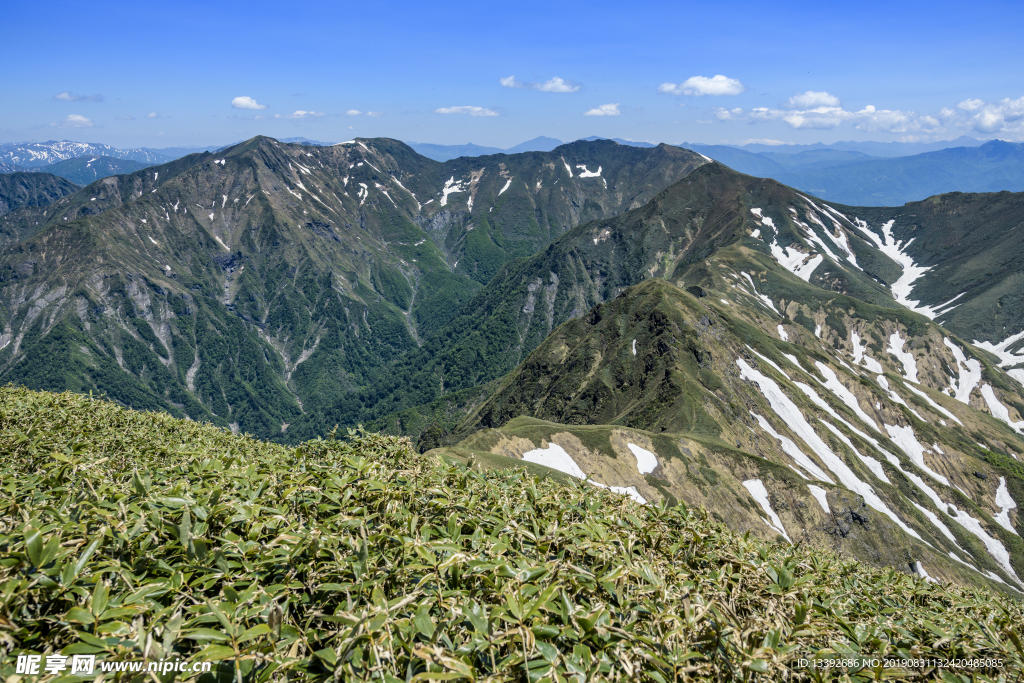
(810, 372)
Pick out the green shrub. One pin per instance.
(124, 533)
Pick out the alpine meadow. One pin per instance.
(371, 390)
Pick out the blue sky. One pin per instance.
(190, 73)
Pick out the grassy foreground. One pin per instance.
(134, 535)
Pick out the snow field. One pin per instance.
(1006, 358)
(764, 299)
(555, 457)
(791, 449)
(922, 573)
(895, 348)
(833, 384)
(646, 462)
(998, 410)
(969, 373)
(795, 420)
(759, 493)
(1005, 503)
(450, 186)
(820, 495)
(905, 438)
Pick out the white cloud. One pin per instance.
(604, 110)
(828, 117)
(353, 112)
(1005, 117)
(812, 99)
(555, 84)
(151, 115)
(68, 96)
(971, 105)
(472, 111)
(245, 102)
(300, 114)
(374, 113)
(702, 85)
(73, 121)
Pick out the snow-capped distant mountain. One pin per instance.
(35, 154)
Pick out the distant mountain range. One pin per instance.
(878, 149)
(26, 156)
(852, 173)
(448, 152)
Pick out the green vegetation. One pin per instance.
(31, 189)
(84, 170)
(129, 534)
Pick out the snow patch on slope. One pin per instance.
(764, 299)
(555, 457)
(895, 348)
(998, 410)
(969, 373)
(922, 573)
(450, 186)
(935, 405)
(800, 264)
(646, 462)
(905, 438)
(861, 358)
(1006, 503)
(833, 384)
(759, 493)
(795, 420)
(874, 465)
(820, 495)
(793, 451)
(1007, 358)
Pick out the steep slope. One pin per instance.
(962, 254)
(31, 189)
(84, 170)
(669, 237)
(254, 285)
(720, 402)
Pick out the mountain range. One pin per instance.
(673, 329)
(854, 173)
